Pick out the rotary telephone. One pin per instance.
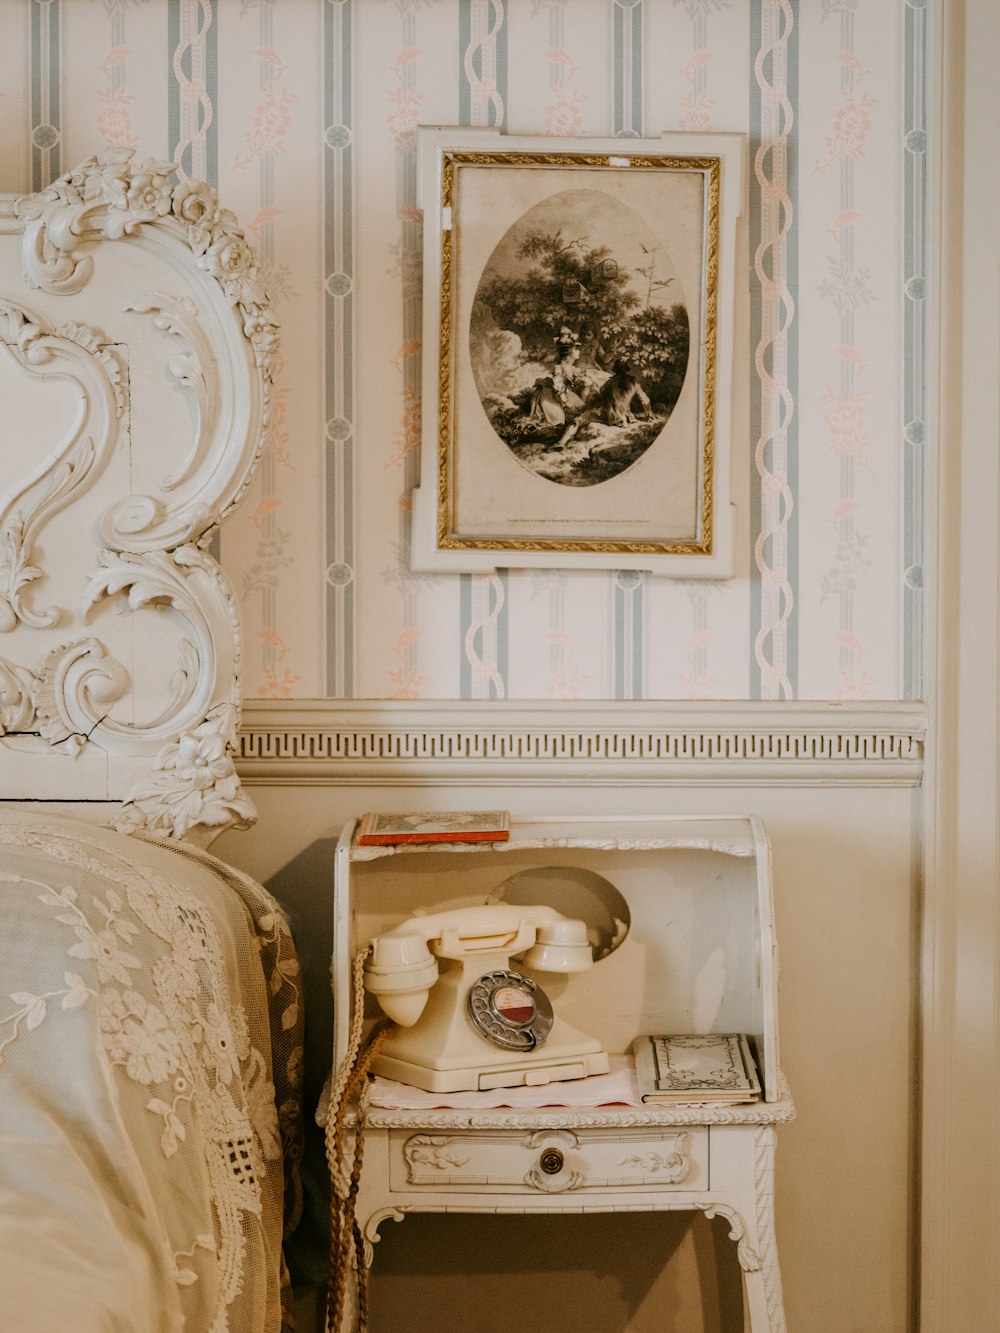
(479, 1024)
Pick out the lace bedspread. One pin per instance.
(150, 1065)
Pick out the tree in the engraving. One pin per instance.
(656, 343)
(566, 282)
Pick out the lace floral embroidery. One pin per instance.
(170, 1024)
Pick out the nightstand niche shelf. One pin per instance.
(692, 898)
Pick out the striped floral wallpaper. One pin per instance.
(304, 116)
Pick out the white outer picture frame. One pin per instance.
(478, 506)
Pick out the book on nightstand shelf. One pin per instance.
(389, 830)
(717, 1068)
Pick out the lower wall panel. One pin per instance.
(847, 905)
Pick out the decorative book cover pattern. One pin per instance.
(712, 1067)
(385, 830)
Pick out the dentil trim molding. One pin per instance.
(488, 742)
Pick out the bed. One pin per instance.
(150, 1011)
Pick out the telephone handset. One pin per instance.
(479, 1024)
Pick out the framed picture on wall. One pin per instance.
(579, 315)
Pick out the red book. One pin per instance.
(378, 830)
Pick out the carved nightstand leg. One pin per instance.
(764, 1308)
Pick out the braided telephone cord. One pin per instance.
(346, 1240)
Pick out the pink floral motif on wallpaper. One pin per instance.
(842, 220)
(406, 437)
(272, 119)
(404, 351)
(264, 506)
(279, 438)
(845, 423)
(844, 510)
(697, 103)
(564, 114)
(275, 686)
(405, 103)
(697, 683)
(260, 220)
(404, 679)
(114, 120)
(851, 126)
(270, 57)
(854, 683)
(263, 578)
(275, 682)
(567, 680)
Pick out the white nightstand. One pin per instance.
(699, 956)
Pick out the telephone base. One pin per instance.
(481, 1078)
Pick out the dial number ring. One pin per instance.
(510, 1010)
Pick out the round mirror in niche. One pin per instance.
(579, 338)
(575, 892)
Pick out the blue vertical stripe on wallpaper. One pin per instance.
(756, 327)
(212, 86)
(46, 108)
(497, 586)
(465, 622)
(173, 89)
(914, 341)
(629, 593)
(628, 636)
(761, 104)
(626, 40)
(495, 10)
(628, 587)
(338, 247)
(792, 360)
(184, 135)
(503, 631)
(490, 112)
(208, 29)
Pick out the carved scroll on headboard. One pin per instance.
(136, 354)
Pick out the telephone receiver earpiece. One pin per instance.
(402, 967)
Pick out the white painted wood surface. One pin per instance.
(699, 897)
(136, 350)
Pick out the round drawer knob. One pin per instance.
(551, 1161)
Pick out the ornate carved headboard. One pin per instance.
(136, 350)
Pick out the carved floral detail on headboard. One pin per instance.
(104, 196)
(205, 325)
(197, 786)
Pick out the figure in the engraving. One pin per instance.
(579, 338)
(612, 403)
(559, 397)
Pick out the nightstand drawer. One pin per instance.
(550, 1160)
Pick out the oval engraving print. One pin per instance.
(579, 338)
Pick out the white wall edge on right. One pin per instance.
(960, 972)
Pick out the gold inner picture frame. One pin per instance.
(578, 327)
